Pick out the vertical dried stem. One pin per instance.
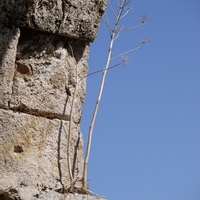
(114, 31)
(84, 180)
(70, 125)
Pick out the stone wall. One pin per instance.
(44, 48)
(78, 18)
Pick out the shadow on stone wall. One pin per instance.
(6, 37)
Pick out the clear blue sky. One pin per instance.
(146, 142)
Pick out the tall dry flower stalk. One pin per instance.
(123, 8)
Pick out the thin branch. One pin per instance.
(119, 28)
(106, 20)
(108, 25)
(125, 3)
(126, 52)
(101, 70)
(144, 41)
(122, 3)
(133, 27)
(144, 20)
(85, 166)
(118, 3)
(117, 36)
(112, 8)
(128, 10)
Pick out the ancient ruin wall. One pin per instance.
(42, 44)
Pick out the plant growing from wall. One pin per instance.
(123, 8)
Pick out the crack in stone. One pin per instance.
(38, 113)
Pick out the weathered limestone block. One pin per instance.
(8, 47)
(33, 153)
(45, 69)
(43, 78)
(76, 19)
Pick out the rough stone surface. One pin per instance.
(33, 152)
(12, 194)
(8, 47)
(44, 48)
(45, 69)
(77, 18)
(36, 79)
